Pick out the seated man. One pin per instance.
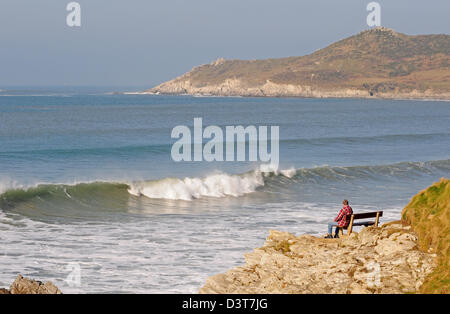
(341, 220)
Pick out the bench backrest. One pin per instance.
(366, 215)
(353, 217)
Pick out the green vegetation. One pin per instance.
(428, 213)
(283, 246)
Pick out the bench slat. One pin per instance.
(366, 215)
(364, 223)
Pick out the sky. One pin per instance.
(141, 43)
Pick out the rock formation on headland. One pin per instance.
(374, 63)
(27, 286)
(408, 256)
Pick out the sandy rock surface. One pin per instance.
(375, 260)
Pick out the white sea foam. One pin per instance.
(268, 169)
(125, 256)
(215, 185)
(9, 184)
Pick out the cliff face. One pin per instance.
(376, 260)
(374, 63)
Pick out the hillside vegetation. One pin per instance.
(375, 61)
(429, 215)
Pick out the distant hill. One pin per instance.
(374, 63)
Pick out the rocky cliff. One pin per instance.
(374, 63)
(375, 260)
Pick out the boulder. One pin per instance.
(24, 285)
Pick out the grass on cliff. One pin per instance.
(428, 213)
(283, 246)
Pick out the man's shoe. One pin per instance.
(328, 236)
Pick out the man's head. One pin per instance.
(345, 202)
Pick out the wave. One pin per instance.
(84, 194)
(222, 185)
(116, 195)
(385, 138)
(164, 148)
(155, 149)
(215, 185)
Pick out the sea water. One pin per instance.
(87, 181)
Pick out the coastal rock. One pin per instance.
(377, 260)
(24, 285)
(237, 87)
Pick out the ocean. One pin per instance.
(88, 188)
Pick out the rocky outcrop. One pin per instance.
(375, 260)
(236, 87)
(24, 285)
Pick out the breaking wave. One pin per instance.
(115, 195)
(215, 185)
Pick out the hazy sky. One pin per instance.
(145, 42)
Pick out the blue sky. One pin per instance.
(145, 42)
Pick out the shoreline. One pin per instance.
(433, 98)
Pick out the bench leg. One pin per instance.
(377, 219)
(350, 226)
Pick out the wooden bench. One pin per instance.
(354, 217)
